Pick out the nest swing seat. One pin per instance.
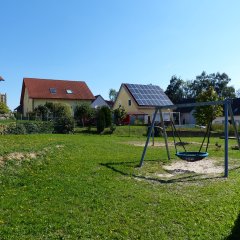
(191, 156)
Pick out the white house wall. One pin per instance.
(98, 102)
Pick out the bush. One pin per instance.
(64, 125)
(42, 112)
(31, 127)
(119, 115)
(45, 127)
(15, 129)
(113, 128)
(61, 110)
(83, 113)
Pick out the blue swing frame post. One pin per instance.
(227, 110)
(226, 138)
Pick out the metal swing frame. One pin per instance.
(227, 111)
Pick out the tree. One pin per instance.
(217, 81)
(83, 112)
(101, 123)
(4, 108)
(175, 89)
(205, 114)
(112, 94)
(119, 115)
(108, 116)
(179, 89)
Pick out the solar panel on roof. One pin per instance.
(148, 95)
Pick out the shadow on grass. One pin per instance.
(124, 167)
(235, 234)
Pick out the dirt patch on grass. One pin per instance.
(205, 166)
(19, 156)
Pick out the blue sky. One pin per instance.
(108, 42)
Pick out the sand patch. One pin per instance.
(19, 156)
(205, 166)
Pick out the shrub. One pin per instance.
(45, 127)
(31, 127)
(119, 115)
(15, 129)
(82, 112)
(64, 125)
(42, 112)
(108, 115)
(113, 128)
(61, 110)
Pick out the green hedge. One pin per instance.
(27, 128)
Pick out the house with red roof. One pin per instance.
(37, 92)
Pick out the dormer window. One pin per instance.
(69, 91)
(53, 90)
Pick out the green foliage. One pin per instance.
(119, 115)
(4, 108)
(50, 106)
(179, 89)
(31, 127)
(61, 110)
(101, 122)
(108, 116)
(28, 127)
(83, 112)
(15, 129)
(175, 89)
(64, 125)
(42, 111)
(113, 128)
(112, 94)
(216, 81)
(205, 114)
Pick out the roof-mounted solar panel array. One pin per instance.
(148, 95)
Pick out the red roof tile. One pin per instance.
(40, 89)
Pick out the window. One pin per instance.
(53, 90)
(129, 102)
(69, 91)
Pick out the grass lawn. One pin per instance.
(88, 187)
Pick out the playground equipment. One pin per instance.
(191, 156)
(196, 155)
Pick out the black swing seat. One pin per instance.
(192, 156)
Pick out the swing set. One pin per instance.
(192, 156)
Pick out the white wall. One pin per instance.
(98, 102)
